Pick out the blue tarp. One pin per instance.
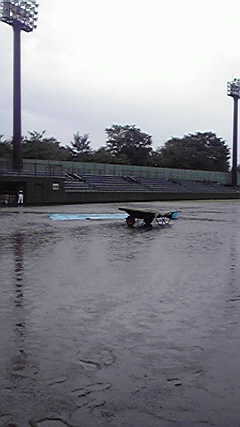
(64, 217)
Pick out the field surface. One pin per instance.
(103, 325)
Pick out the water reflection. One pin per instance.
(18, 258)
(19, 360)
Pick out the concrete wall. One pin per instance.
(101, 197)
(37, 190)
(47, 191)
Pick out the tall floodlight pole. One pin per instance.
(233, 90)
(21, 15)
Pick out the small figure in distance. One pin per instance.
(6, 198)
(20, 198)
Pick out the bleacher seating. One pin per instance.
(184, 186)
(73, 185)
(107, 183)
(112, 183)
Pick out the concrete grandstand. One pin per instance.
(47, 182)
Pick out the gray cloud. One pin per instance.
(160, 64)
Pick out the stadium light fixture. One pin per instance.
(22, 16)
(233, 90)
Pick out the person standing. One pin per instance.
(20, 198)
(6, 198)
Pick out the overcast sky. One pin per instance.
(162, 65)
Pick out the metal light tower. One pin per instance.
(21, 15)
(233, 89)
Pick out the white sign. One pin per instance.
(55, 186)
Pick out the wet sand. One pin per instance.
(104, 325)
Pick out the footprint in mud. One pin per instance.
(107, 357)
(53, 421)
(90, 396)
(58, 380)
(175, 381)
(89, 365)
(84, 391)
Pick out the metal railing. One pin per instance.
(32, 169)
(48, 168)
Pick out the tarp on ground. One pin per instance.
(67, 217)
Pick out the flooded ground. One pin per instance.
(104, 325)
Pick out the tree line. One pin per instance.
(129, 145)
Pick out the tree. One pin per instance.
(155, 158)
(80, 147)
(5, 148)
(102, 155)
(202, 151)
(37, 146)
(129, 143)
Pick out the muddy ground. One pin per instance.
(104, 325)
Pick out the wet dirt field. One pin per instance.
(104, 325)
